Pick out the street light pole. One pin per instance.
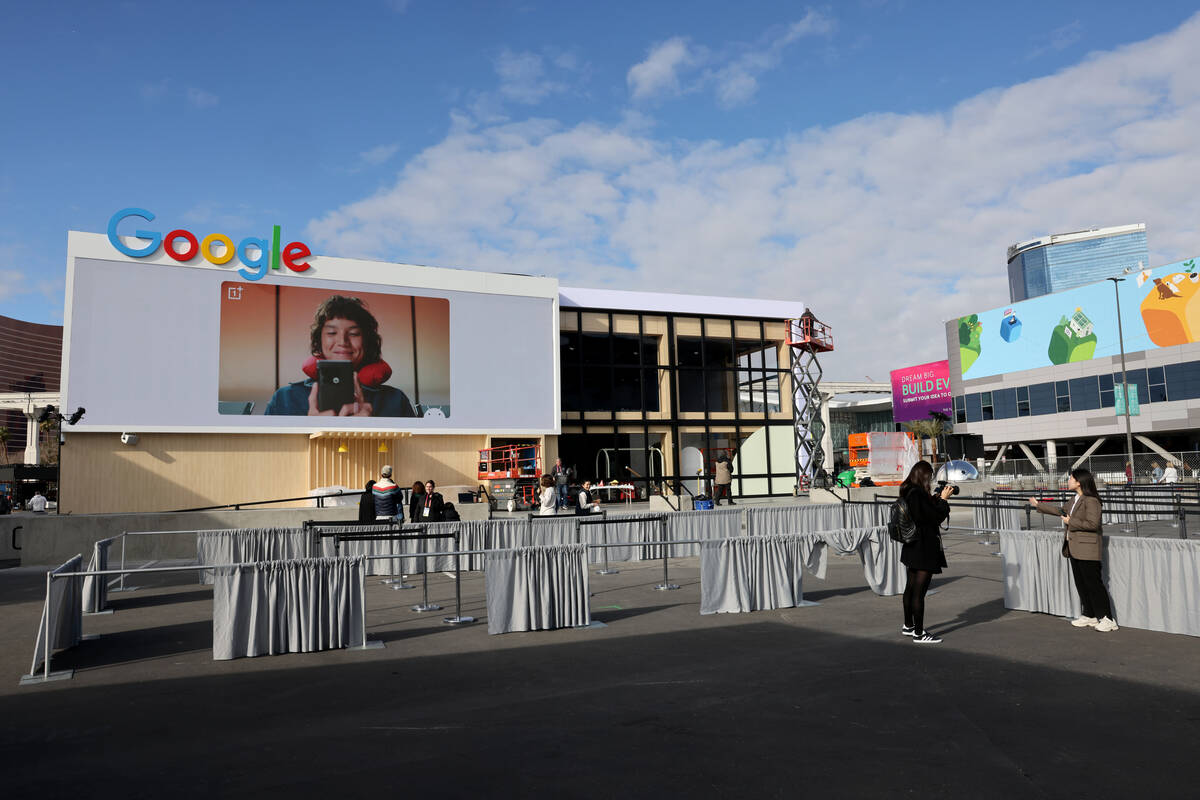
(1124, 380)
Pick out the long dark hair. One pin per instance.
(920, 476)
(1087, 484)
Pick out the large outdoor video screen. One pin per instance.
(1160, 307)
(298, 351)
(166, 347)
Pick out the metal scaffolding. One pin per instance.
(806, 336)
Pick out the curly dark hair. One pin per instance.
(355, 310)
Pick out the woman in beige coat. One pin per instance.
(1084, 540)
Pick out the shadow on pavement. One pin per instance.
(755, 710)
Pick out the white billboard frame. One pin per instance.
(369, 274)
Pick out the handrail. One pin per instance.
(238, 506)
(16, 528)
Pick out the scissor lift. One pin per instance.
(807, 336)
(512, 471)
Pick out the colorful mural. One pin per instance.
(1160, 307)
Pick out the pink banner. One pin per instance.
(918, 390)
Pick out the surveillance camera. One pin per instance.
(129, 439)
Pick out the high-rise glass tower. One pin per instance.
(1066, 260)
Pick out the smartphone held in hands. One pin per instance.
(335, 384)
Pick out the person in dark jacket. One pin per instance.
(1084, 546)
(924, 557)
(387, 497)
(431, 506)
(416, 499)
(366, 504)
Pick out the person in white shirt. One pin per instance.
(548, 500)
(1170, 475)
(584, 503)
(37, 503)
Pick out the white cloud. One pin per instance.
(678, 67)
(523, 77)
(659, 73)
(886, 224)
(737, 81)
(1056, 40)
(12, 283)
(202, 99)
(378, 155)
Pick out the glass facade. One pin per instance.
(1154, 385)
(1055, 267)
(651, 399)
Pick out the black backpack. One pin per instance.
(900, 524)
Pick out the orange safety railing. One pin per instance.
(510, 461)
(807, 332)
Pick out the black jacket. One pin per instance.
(415, 501)
(435, 503)
(366, 505)
(928, 512)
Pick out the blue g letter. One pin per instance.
(154, 238)
(259, 263)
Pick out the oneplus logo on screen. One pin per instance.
(234, 293)
(257, 255)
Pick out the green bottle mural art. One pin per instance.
(969, 330)
(1073, 339)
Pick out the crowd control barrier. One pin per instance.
(297, 606)
(400, 535)
(95, 590)
(61, 625)
(1154, 584)
(756, 573)
(251, 545)
(537, 588)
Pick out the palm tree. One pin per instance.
(931, 429)
(46, 429)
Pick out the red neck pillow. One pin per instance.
(371, 375)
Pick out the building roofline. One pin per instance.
(662, 302)
(1073, 236)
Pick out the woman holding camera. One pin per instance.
(1081, 520)
(924, 557)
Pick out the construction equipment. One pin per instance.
(807, 336)
(512, 471)
(860, 461)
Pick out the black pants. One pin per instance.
(1093, 597)
(721, 490)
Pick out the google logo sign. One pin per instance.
(257, 255)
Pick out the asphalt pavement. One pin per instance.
(659, 701)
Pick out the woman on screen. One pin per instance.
(346, 371)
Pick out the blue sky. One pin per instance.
(758, 149)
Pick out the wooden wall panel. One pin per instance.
(448, 460)
(172, 471)
(166, 472)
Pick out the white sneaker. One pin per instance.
(926, 638)
(1106, 625)
(907, 631)
(1085, 622)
